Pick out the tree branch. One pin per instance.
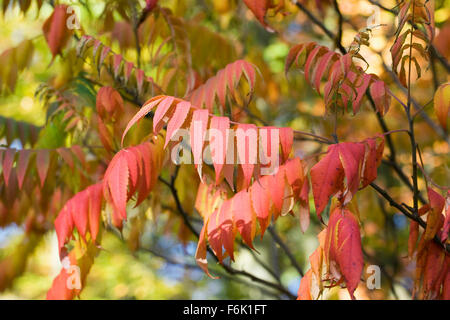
(286, 249)
(227, 268)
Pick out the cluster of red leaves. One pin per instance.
(223, 84)
(346, 83)
(265, 200)
(124, 72)
(179, 114)
(24, 131)
(346, 167)
(432, 280)
(424, 15)
(338, 258)
(132, 170)
(82, 212)
(27, 160)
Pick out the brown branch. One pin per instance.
(286, 249)
(408, 212)
(228, 269)
(338, 40)
(439, 131)
(411, 121)
(318, 23)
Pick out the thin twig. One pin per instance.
(286, 249)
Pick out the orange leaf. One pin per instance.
(442, 104)
(435, 217)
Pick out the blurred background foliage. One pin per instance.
(162, 266)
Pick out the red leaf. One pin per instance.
(78, 152)
(343, 246)
(67, 156)
(259, 9)
(95, 207)
(116, 183)
(218, 142)
(146, 108)
(380, 96)
(351, 155)
(179, 117)
(116, 64)
(214, 234)
(244, 217)
(64, 225)
(310, 60)
(8, 162)
(343, 160)
(322, 67)
(246, 140)
(139, 79)
(372, 160)
(200, 253)
(22, 165)
(227, 227)
(261, 202)
(198, 129)
(435, 217)
(326, 178)
(160, 113)
(435, 270)
(80, 206)
(128, 69)
(103, 55)
(446, 284)
(276, 186)
(109, 102)
(56, 31)
(229, 77)
(150, 4)
(300, 188)
(349, 252)
(286, 141)
(446, 226)
(42, 163)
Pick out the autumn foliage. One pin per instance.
(154, 95)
